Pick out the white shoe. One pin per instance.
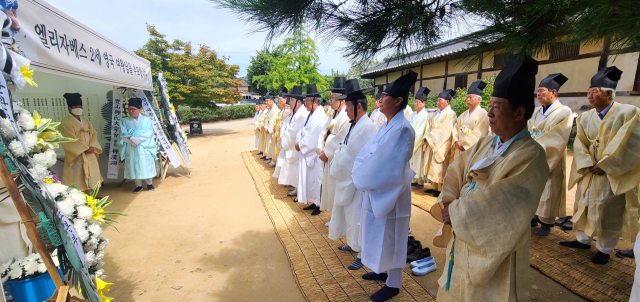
(422, 262)
(327, 224)
(425, 269)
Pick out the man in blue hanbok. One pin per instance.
(138, 146)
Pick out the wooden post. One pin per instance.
(28, 223)
(446, 74)
(480, 66)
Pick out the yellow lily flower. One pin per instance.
(28, 75)
(102, 288)
(37, 118)
(48, 180)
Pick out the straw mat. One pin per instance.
(320, 269)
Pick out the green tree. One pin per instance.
(459, 102)
(371, 27)
(298, 65)
(261, 64)
(194, 77)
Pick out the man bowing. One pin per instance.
(310, 166)
(606, 169)
(438, 139)
(490, 194)
(345, 215)
(550, 126)
(382, 174)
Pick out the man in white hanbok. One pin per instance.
(255, 122)
(269, 128)
(285, 116)
(310, 166)
(382, 174)
(418, 120)
(329, 140)
(289, 171)
(376, 116)
(345, 215)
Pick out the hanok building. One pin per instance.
(444, 67)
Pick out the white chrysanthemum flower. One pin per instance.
(99, 273)
(90, 257)
(26, 121)
(52, 156)
(17, 149)
(39, 172)
(103, 243)
(84, 212)
(67, 208)
(16, 273)
(14, 264)
(30, 267)
(100, 256)
(32, 257)
(30, 139)
(42, 268)
(78, 197)
(6, 129)
(57, 189)
(95, 229)
(100, 265)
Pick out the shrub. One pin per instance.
(459, 102)
(218, 114)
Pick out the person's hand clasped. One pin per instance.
(298, 147)
(597, 171)
(459, 146)
(323, 157)
(90, 150)
(445, 214)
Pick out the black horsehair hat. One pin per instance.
(379, 95)
(338, 85)
(283, 92)
(135, 102)
(606, 77)
(401, 86)
(296, 92)
(422, 93)
(353, 89)
(553, 81)
(73, 99)
(268, 96)
(517, 83)
(312, 90)
(476, 88)
(447, 94)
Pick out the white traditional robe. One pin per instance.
(551, 129)
(255, 123)
(635, 290)
(418, 121)
(13, 234)
(329, 140)
(286, 117)
(310, 166)
(345, 214)
(407, 112)
(469, 129)
(383, 175)
(289, 172)
(378, 118)
(438, 138)
(490, 209)
(270, 123)
(612, 200)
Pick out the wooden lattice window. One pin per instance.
(562, 50)
(461, 81)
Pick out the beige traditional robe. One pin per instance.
(613, 144)
(276, 134)
(333, 134)
(490, 210)
(80, 169)
(437, 139)
(407, 112)
(551, 130)
(261, 137)
(468, 130)
(418, 121)
(270, 124)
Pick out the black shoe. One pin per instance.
(137, 190)
(384, 294)
(418, 187)
(436, 194)
(150, 187)
(534, 222)
(263, 158)
(356, 264)
(544, 229)
(291, 188)
(565, 223)
(311, 207)
(413, 246)
(259, 153)
(419, 254)
(414, 184)
(600, 258)
(430, 191)
(625, 253)
(315, 212)
(346, 248)
(575, 244)
(373, 276)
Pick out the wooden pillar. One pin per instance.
(606, 49)
(446, 74)
(32, 233)
(480, 66)
(636, 82)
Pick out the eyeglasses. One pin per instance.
(132, 109)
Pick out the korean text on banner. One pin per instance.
(114, 156)
(157, 129)
(173, 119)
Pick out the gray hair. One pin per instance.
(363, 102)
(613, 92)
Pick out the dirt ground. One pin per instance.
(207, 237)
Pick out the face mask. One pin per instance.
(76, 111)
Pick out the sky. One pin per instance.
(198, 21)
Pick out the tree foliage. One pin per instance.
(194, 77)
(261, 64)
(296, 63)
(371, 27)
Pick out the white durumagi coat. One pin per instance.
(310, 166)
(378, 118)
(289, 171)
(335, 130)
(345, 214)
(281, 155)
(418, 121)
(383, 174)
(255, 122)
